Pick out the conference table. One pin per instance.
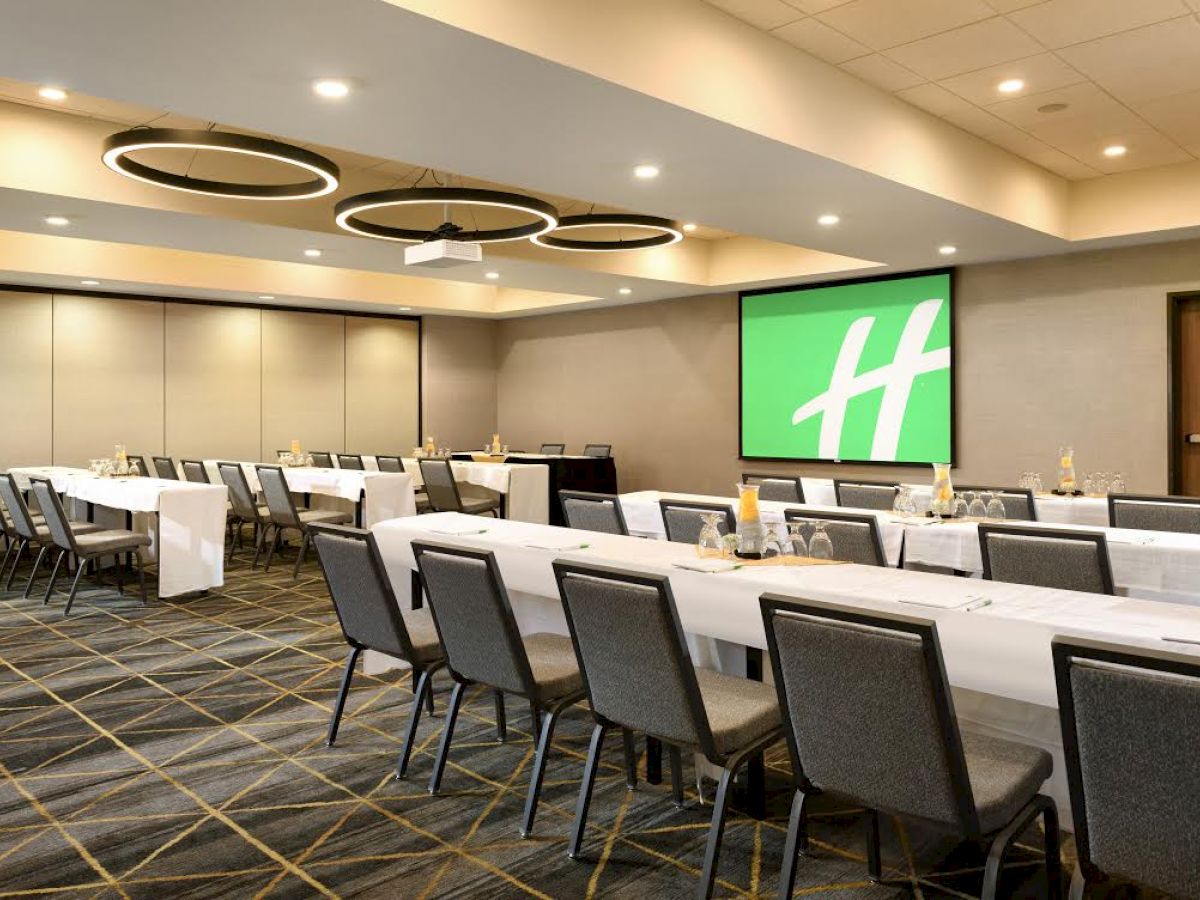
(523, 490)
(997, 657)
(185, 521)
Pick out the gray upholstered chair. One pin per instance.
(1018, 502)
(1051, 558)
(855, 537)
(284, 515)
(370, 618)
(865, 494)
(143, 468)
(900, 751)
(475, 622)
(639, 677)
(593, 512)
(164, 467)
(194, 471)
(441, 489)
(1179, 514)
(85, 546)
(1130, 725)
(776, 488)
(683, 519)
(244, 509)
(26, 529)
(553, 449)
(600, 450)
(350, 461)
(322, 459)
(389, 463)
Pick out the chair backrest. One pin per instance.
(350, 461)
(245, 504)
(776, 487)
(56, 517)
(683, 519)
(1018, 502)
(322, 459)
(362, 594)
(18, 510)
(593, 512)
(1181, 514)
(194, 470)
(143, 469)
(856, 537)
(899, 750)
(1130, 726)
(164, 467)
(865, 494)
(474, 618)
(632, 653)
(601, 450)
(389, 463)
(440, 486)
(1052, 558)
(280, 504)
(553, 449)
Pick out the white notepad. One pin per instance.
(705, 565)
(459, 532)
(557, 546)
(963, 604)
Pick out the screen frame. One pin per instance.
(952, 273)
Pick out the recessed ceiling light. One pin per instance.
(312, 252)
(331, 88)
(828, 219)
(1114, 150)
(1010, 85)
(403, 308)
(266, 296)
(491, 276)
(689, 227)
(57, 221)
(1052, 107)
(947, 249)
(55, 94)
(645, 172)
(89, 282)
(625, 291)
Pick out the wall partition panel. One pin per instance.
(303, 381)
(382, 362)
(213, 382)
(27, 377)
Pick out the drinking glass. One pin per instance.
(1037, 483)
(1089, 483)
(1100, 485)
(134, 469)
(796, 545)
(820, 547)
(710, 543)
(995, 507)
(729, 546)
(960, 506)
(977, 509)
(1117, 485)
(772, 544)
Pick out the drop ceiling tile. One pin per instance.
(1084, 101)
(815, 6)
(1177, 116)
(766, 14)
(821, 41)
(882, 72)
(980, 122)
(887, 23)
(1146, 149)
(1006, 6)
(976, 46)
(1059, 23)
(1040, 73)
(1194, 4)
(1144, 64)
(1061, 164)
(935, 99)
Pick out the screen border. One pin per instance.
(952, 272)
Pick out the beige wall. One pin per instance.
(26, 378)
(459, 378)
(381, 353)
(1063, 349)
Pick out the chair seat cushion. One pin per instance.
(553, 663)
(98, 542)
(1004, 776)
(740, 711)
(325, 516)
(473, 506)
(77, 528)
(423, 634)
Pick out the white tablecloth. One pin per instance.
(643, 516)
(386, 495)
(185, 521)
(997, 658)
(526, 489)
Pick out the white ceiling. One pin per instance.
(1128, 71)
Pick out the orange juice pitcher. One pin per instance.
(751, 536)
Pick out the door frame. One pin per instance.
(1175, 302)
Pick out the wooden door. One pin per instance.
(1187, 403)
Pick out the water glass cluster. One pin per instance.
(1104, 483)
(1031, 481)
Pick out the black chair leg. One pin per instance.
(794, 844)
(260, 538)
(79, 570)
(439, 765)
(1053, 852)
(340, 703)
(120, 573)
(300, 554)
(874, 857)
(1039, 805)
(54, 576)
(676, 757)
(141, 566)
(535, 719)
(12, 573)
(37, 564)
(716, 831)
(539, 768)
(585, 791)
(424, 688)
(278, 539)
(653, 760)
(416, 679)
(631, 758)
(1079, 884)
(501, 717)
(10, 544)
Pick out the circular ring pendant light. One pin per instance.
(663, 232)
(347, 214)
(118, 147)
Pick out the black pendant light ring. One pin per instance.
(347, 213)
(665, 232)
(118, 147)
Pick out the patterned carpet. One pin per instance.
(178, 750)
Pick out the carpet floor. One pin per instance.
(178, 750)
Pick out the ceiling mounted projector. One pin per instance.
(443, 254)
